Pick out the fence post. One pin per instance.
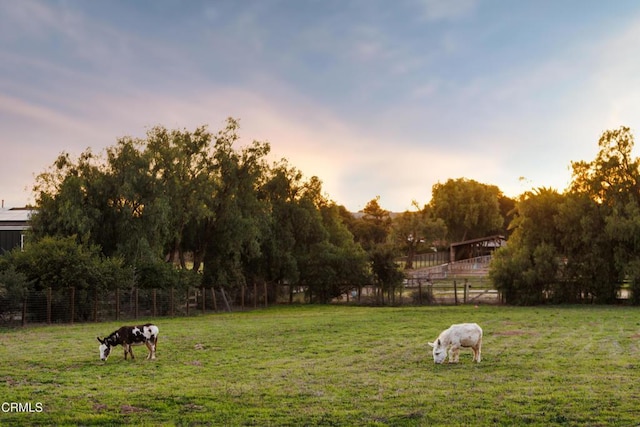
(242, 297)
(419, 292)
(255, 294)
(224, 297)
(215, 302)
(455, 292)
(95, 304)
(73, 303)
(466, 290)
(266, 295)
(135, 292)
(204, 301)
(49, 305)
(24, 311)
(153, 299)
(117, 303)
(171, 308)
(188, 291)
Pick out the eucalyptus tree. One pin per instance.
(526, 270)
(581, 245)
(68, 198)
(308, 243)
(468, 208)
(181, 165)
(611, 184)
(233, 226)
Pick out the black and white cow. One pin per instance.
(127, 336)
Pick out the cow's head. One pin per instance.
(104, 348)
(439, 351)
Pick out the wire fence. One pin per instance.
(70, 305)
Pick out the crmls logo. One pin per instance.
(21, 407)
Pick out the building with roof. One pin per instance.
(14, 224)
(475, 247)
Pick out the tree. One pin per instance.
(373, 227)
(468, 208)
(386, 272)
(14, 289)
(181, 164)
(608, 192)
(68, 198)
(413, 231)
(60, 263)
(233, 230)
(582, 245)
(527, 270)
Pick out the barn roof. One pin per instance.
(494, 238)
(15, 219)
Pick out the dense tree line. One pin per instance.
(195, 200)
(582, 245)
(191, 208)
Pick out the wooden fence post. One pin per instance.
(171, 307)
(242, 297)
(215, 302)
(95, 304)
(188, 302)
(73, 303)
(135, 292)
(24, 311)
(266, 295)
(204, 301)
(117, 303)
(153, 297)
(255, 294)
(455, 292)
(224, 297)
(49, 305)
(466, 290)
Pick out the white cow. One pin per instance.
(460, 335)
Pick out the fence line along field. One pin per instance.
(332, 365)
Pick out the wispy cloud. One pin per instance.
(438, 10)
(373, 99)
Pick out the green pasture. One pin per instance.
(333, 366)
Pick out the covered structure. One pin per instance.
(14, 224)
(475, 247)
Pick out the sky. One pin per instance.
(374, 97)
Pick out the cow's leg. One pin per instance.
(154, 346)
(126, 348)
(477, 350)
(454, 353)
(131, 352)
(150, 348)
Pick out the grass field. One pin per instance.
(333, 366)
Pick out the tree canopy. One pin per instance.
(196, 200)
(581, 245)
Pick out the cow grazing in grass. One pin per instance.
(450, 340)
(128, 336)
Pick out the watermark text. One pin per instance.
(27, 407)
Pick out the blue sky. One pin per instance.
(375, 97)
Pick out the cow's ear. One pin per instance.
(431, 344)
(439, 343)
(100, 341)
